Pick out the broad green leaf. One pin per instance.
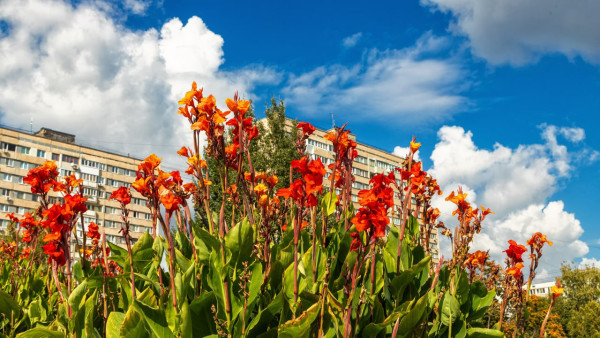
(186, 321)
(478, 332)
(8, 306)
(328, 203)
(143, 243)
(373, 329)
(240, 241)
(133, 324)
(114, 323)
(300, 327)
(203, 323)
(147, 297)
(413, 318)
(400, 282)
(155, 319)
(37, 312)
(450, 309)
(77, 296)
(40, 332)
(462, 287)
(90, 307)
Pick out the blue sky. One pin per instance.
(504, 96)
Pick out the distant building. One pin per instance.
(370, 162)
(102, 172)
(540, 289)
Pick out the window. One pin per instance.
(4, 192)
(8, 147)
(23, 150)
(41, 153)
(360, 172)
(99, 180)
(7, 177)
(55, 157)
(23, 165)
(70, 159)
(8, 161)
(89, 177)
(361, 159)
(321, 145)
(354, 198)
(20, 180)
(90, 192)
(65, 172)
(92, 164)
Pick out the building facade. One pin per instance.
(370, 162)
(102, 172)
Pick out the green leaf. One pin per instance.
(186, 321)
(90, 307)
(8, 306)
(40, 332)
(114, 323)
(373, 329)
(462, 287)
(147, 297)
(203, 323)
(301, 325)
(77, 296)
(155, 319)
(143, 243)
(133, 324)
(400, 282)
(413, 318)
(78, 272)
(240, 241)
(328, 203)
(36, 311)
(450, 309)
(478, 332)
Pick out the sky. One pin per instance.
(503, 95)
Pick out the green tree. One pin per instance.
(275, 149)
(584, 323)
(582, 286)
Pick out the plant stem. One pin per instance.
(546, 319)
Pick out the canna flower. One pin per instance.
(515, 251)
(515, 271)
(556, 290)
(414, 146)
(260, 189)
(122, 195)
(307, 128)
(538, 239)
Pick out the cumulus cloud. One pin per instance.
(520, 32)
(408, 85)
(351, 40)
(404, 151)
(74, 68)
(589, 262)
(517, 184)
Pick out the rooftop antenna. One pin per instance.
(31, 123)
(332, 121)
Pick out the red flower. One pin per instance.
(56, 253)
(122, 195)
(307, 128)
(515, 251)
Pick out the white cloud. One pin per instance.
(589, 262)
(404, 151)
(398, 85)
(520, 32)
(138, 7)
(517, 185)
(74, 68)
(351, 40)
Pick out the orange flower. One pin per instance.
(52, 236)
(556, 290)
(272, 180)
(149, 164)
(171, 202)
(515, 270)
(260, 189)
(414, 146)
(183, 152)
(515, 251)
(122, 195)
(307, 128)
(25, 253)
(538, 239)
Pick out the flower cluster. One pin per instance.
(375, 204)
(304, 191)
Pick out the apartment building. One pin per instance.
(102, 172)
(370, 161)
